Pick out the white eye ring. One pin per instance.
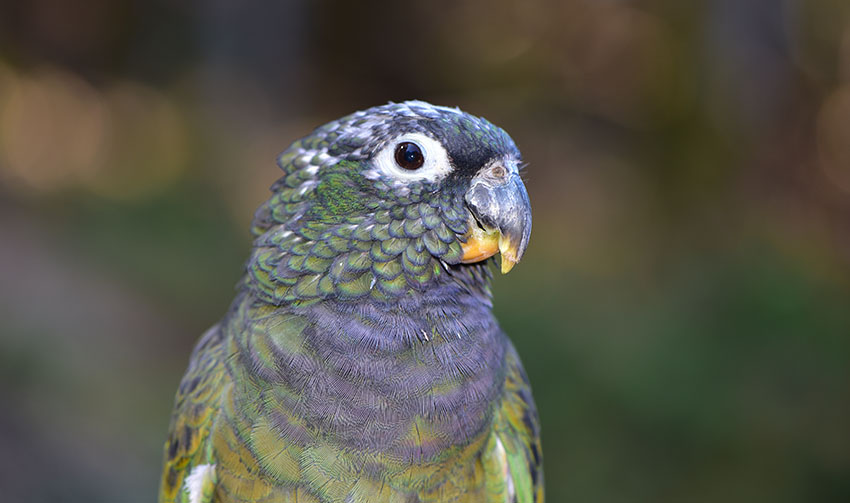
(435, 167)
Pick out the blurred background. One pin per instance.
(683, 310)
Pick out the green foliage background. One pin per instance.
(683, 310)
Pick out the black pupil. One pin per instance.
(409, 156)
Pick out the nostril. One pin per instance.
(499, 171)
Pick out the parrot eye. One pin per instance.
(409, 156)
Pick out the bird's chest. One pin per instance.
(401, 401)
(408, 406)
(411, 435)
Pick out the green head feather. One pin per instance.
(346, 221)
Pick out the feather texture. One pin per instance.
(360, 361)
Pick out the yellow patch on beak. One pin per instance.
(482, 244)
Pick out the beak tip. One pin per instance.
(507, 265)
(509, 252)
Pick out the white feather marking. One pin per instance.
(427, 109)
(194, 483)
(308, 185)
(509, 481)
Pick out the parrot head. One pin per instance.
(389, 200)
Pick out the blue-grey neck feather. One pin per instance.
(367, 370)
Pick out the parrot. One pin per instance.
(360, 360)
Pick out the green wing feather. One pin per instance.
(196, 408)
(517, 428)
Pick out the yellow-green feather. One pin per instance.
(197, 406)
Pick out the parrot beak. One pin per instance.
(499, 205)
